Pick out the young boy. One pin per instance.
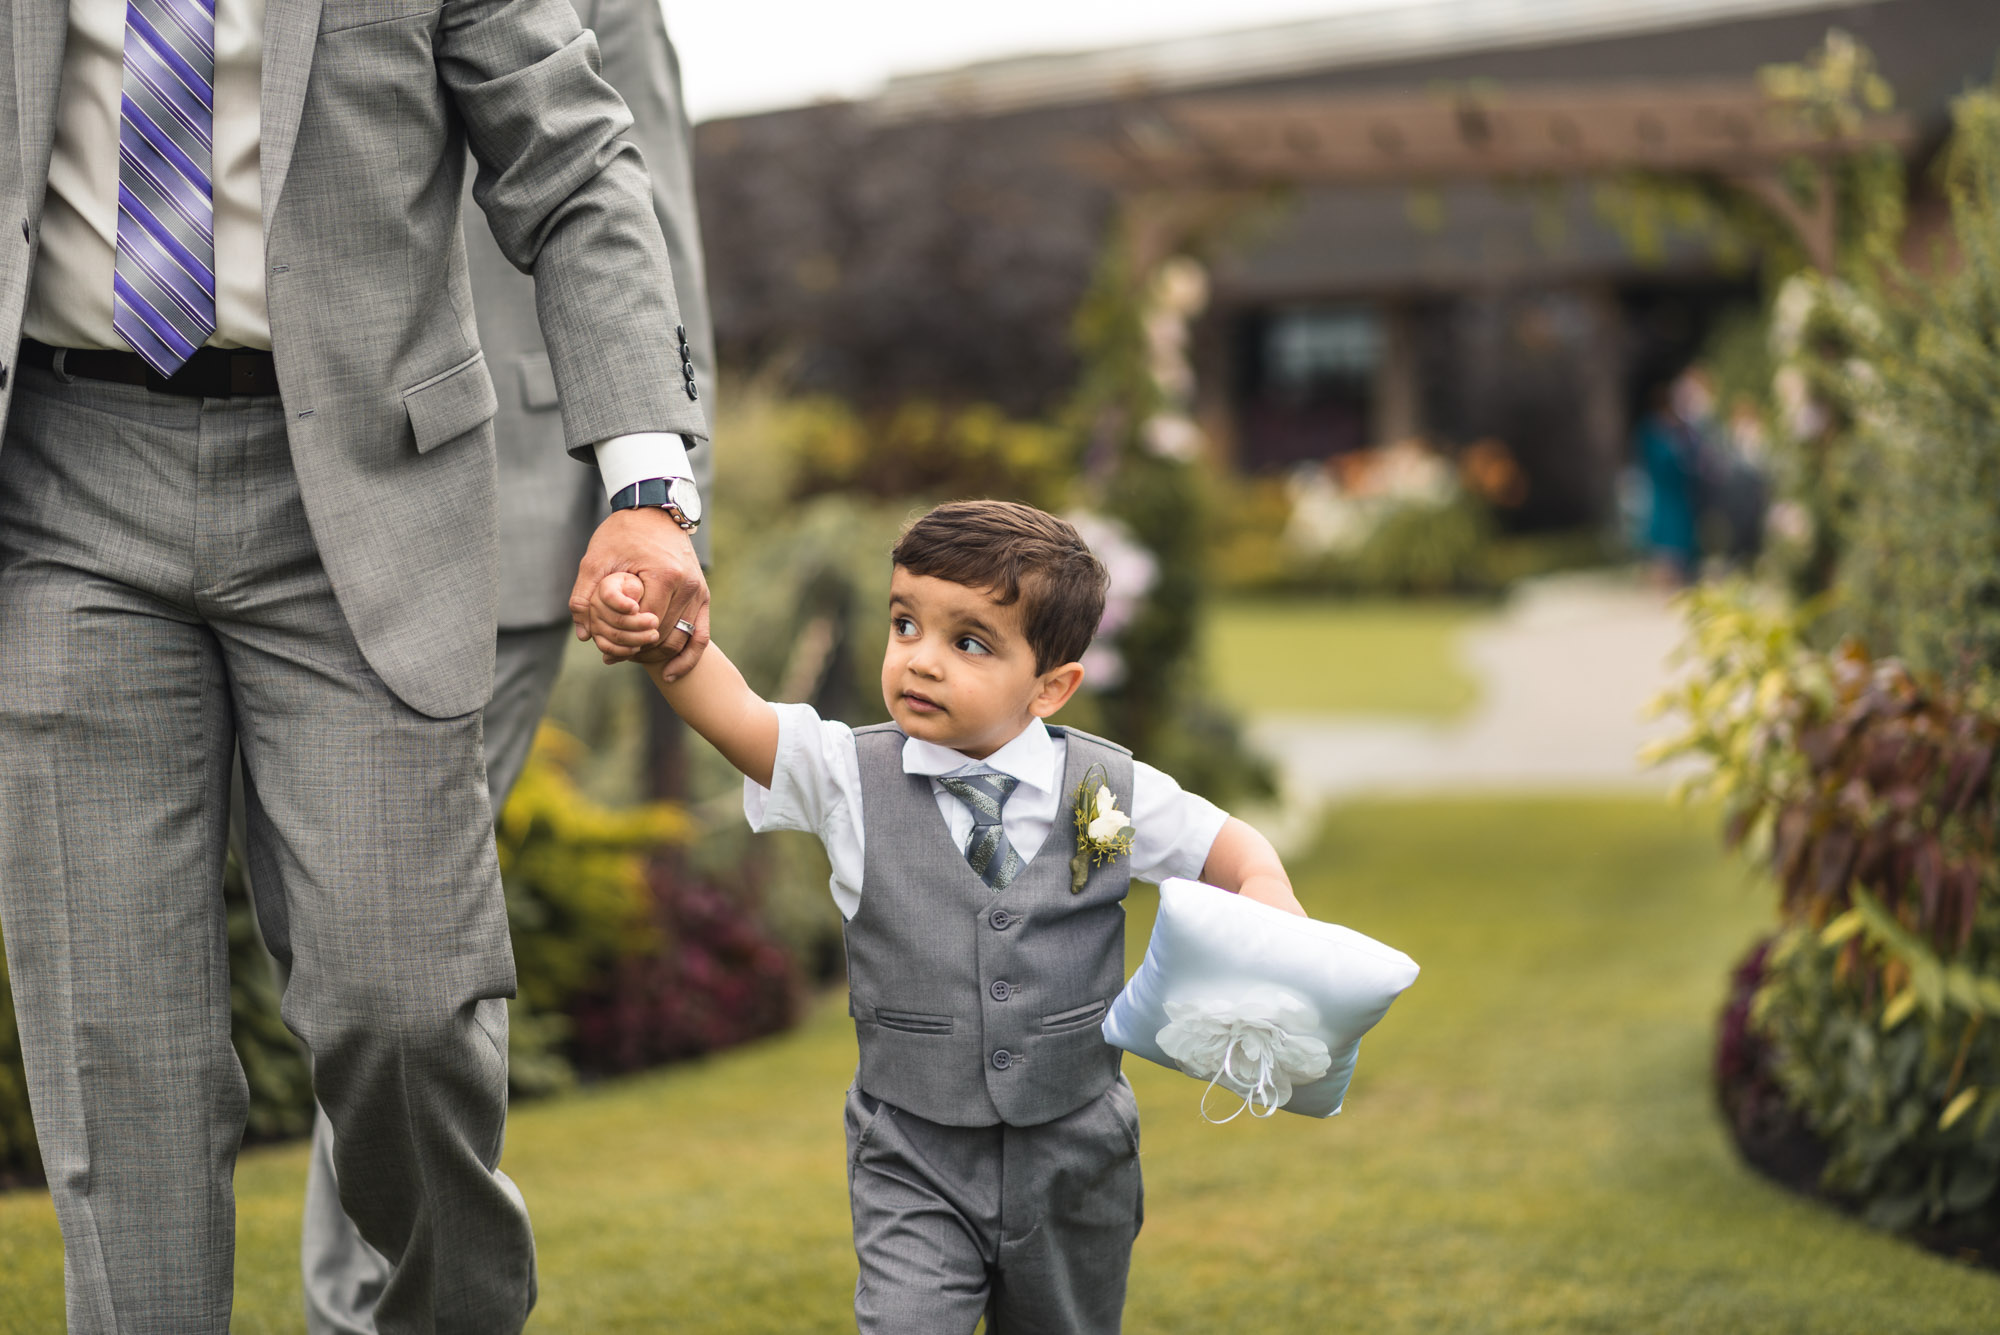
(992, 1142)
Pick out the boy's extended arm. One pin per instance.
(714, 700)
(711, 697)
(1243, 860)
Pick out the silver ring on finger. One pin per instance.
(684, 627)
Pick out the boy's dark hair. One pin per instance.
(1019, 553)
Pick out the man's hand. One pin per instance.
(645, 542)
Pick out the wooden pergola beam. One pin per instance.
(1546, 131)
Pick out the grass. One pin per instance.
(1529, 1145)
(1302, 657)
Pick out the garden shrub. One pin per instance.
(715, 978)
(274, 1061)
(577, 900)
(1864, 777)
(1909, 365)
(1870, 792)
(20, 1159)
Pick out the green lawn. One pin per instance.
(1529, 1145)
(1309, 657)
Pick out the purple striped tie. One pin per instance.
(163, 286)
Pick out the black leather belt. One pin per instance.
(212, 373)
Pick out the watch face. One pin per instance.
(686, 498)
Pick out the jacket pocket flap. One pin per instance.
(1075, 1019)
(912, 1023)
(451, 403)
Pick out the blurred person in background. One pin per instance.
(1669, 449)
(549, 507)
(1742, 487)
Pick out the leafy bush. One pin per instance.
(577, 899)
(274, 1061)
(925, 449)
(19, 1156)
(1909, 365)
(717, 978)
(1871, 793)
(1394, 522)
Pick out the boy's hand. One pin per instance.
(645, 542)
(616, 618)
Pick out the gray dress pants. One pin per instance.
(1029, 1226)
(344, 1276)
(163, 606)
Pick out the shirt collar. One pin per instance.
(1030, 757)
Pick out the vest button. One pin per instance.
(1001, 920)
(1001, 989)
(1002, 1060)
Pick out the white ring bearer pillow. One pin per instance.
(1264, 1003)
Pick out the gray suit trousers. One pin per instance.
(1030, 1227)
(344, 1276)
(163, 604)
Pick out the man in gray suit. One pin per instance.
(548, 508)
(247, 506)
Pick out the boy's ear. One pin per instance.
(1058, 685)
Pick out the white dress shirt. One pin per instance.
(816, 787)
(69, 293)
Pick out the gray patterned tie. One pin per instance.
(989, 854)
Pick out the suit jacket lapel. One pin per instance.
(40, 29)
(290, 30)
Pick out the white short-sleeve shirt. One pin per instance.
(816, 787)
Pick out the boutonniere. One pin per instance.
(1102, 830)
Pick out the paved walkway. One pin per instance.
(1565, 672)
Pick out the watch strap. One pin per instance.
(655, 492)
(651, 491)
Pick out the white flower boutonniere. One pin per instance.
(1102, 830)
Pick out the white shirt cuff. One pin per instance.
(624, 460)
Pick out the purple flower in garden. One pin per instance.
(1132, 572)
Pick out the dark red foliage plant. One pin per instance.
(716, 979)
(1896, 799)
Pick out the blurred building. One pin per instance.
(1433, 262)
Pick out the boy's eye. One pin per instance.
(903, 625)
(971, 646)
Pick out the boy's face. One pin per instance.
(959, 670)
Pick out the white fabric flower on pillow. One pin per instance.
(1262, 1002)
(1256, 1047)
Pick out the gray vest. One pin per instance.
(973, 1007)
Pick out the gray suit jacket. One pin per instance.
(369, 107)
(549, 505)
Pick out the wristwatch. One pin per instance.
(676, 495)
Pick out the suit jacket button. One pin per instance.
(693, 393)
(1002, 1060)
(680, 333)
(1001, 989)
(1000, 920)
